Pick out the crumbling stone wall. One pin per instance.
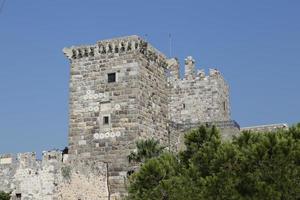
(83, 180)
(7, 171)
(30, 179)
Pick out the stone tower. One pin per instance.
(123, 90)
(118, 95)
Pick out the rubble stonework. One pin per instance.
(121, 90)
(52, 178)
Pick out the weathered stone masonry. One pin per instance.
(108, 116)
(52, 178)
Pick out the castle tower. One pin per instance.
(198, 99)
(123, 90)
(118, 95)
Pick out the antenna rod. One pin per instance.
(170, 45)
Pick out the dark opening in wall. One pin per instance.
(111, 77)
(105, 120)
(18, 196)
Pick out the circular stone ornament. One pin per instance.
(96, 136)
(101, 136)
(117, 107)
(112, 134)
(118, 133)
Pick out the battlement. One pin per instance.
(197, 97)
(117, 47)
(29, 159)
(6, 159)
(190, 73)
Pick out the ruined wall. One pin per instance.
(8, 168)
(133, 102)
(197, 97)
(51, 178)
(28, 178)
(84, 180)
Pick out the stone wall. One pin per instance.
(153, 101)
(8, 166)
(133, 102)
(52, 178)
(197, 97)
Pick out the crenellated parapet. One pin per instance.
(6, 159)
(29, 159)
(190, 72)
(117, 47)
(198, 96)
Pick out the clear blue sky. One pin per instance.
(255, 44)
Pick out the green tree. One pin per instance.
(4, 196)
(146, 149)
(251, 166)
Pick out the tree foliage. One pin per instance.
(4, 196)
(251, 166)
(146, 149)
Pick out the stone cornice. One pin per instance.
(117, 46)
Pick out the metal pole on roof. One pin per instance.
(170, 45)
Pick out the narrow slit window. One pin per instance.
(105, 120)
(18, 196)
(111, 77)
